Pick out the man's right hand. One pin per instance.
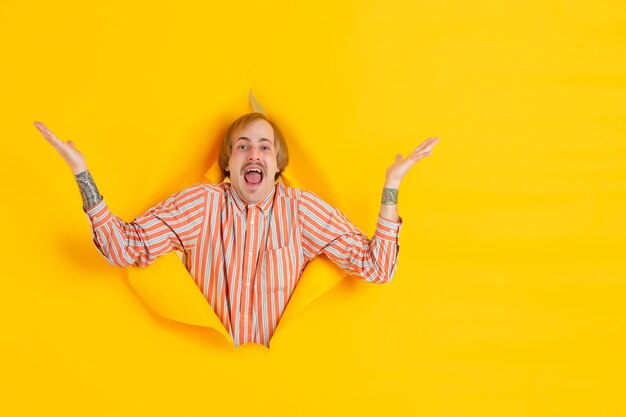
(67, 150)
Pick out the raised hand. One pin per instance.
(401, 166)
(72, 156)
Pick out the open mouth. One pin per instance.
(253, 176)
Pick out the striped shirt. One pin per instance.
(246, 258)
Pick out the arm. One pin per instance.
(88, 189)
(171, 225)
(326, 230)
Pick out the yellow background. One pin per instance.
(509, 294)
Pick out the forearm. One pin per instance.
(172, 224)
(326, 230)
(123, 244)
(111, 235)
(373, 260)
(88, 189)
(389, 202)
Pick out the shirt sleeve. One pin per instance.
(326, 230)
(173, 224)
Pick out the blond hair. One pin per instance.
(280, 145)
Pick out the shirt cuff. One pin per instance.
(99, 214)
(388, 229)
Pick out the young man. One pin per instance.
(246, 241)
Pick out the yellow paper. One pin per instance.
(509, 295)
(168, 288)
(256, 106)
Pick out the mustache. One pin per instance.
(249, 165)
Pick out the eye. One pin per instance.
(266, 148)
(242, 147)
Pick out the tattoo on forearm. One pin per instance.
(390, 196)
(88, 190)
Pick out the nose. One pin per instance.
(254, 154)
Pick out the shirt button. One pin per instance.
(251, 221)
(248, 285)
(250, 253)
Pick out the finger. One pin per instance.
(427, 145)
(431, 142)
(47, 134)
(42, 128)
(419, 156)
(399, 157)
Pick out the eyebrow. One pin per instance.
(248, 139)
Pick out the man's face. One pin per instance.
(252, 164)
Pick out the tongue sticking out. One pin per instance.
(253, 177)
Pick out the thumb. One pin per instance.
(399, 157)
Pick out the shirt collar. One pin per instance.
(241, 206)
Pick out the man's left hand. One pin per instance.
(401, 166)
